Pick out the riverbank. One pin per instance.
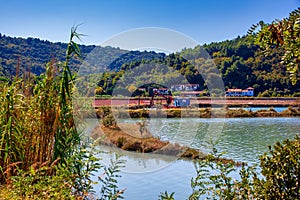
(133, 112)
(200, 101)
(128, 137)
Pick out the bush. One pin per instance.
(296, 94)
(72, 180)
(280, 170)
(120, 142)
(109, 121)
(39, 184)
(266, 93)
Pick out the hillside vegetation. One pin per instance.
(32, 54)
(241, 63)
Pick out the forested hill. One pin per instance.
(134, 56)
(33, 54)
(241, 63)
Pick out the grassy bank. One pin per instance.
(129, 138)
(122, 112)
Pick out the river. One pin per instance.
(243, 139)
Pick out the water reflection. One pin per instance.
(146, 175)
(137, 162)
(243, 139)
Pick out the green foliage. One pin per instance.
(12, 140)
(221, 185)
(166, 196)
(241, 63)
(131, 88)
(98, 91)
(81, 166)
(70, 180)
(42, 155)
(133, 57)
(265, 94)
(108, 121)
(109, 189)
(29, 114)
(281, 169)
(38, 126)
(66, 134)
(41, 184)
(283, 33)
(279, 179)
(33, 53)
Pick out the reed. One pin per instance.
(38, 127)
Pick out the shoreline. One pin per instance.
(133, 112)
(201, 101)
(132, 140)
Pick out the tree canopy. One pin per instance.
(282, 33)
(242, 63)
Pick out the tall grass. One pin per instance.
(38, 127)
(42, 154)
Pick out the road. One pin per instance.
(203, 101)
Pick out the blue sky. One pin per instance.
(203, 20)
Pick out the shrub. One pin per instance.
(108, 121)
(266, 93)
(280, 171)
(296, 94)
(70, 180)
(109, 189)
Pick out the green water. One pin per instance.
(243, 139)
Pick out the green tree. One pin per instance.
(132, 88)
(283, 33)
(98, 90)
(238, 75)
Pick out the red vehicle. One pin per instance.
(168, 98)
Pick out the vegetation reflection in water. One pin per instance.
(243, 139)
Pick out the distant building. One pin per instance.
(164, 91)
(184, 87)
(248, 92)
(234, 92)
